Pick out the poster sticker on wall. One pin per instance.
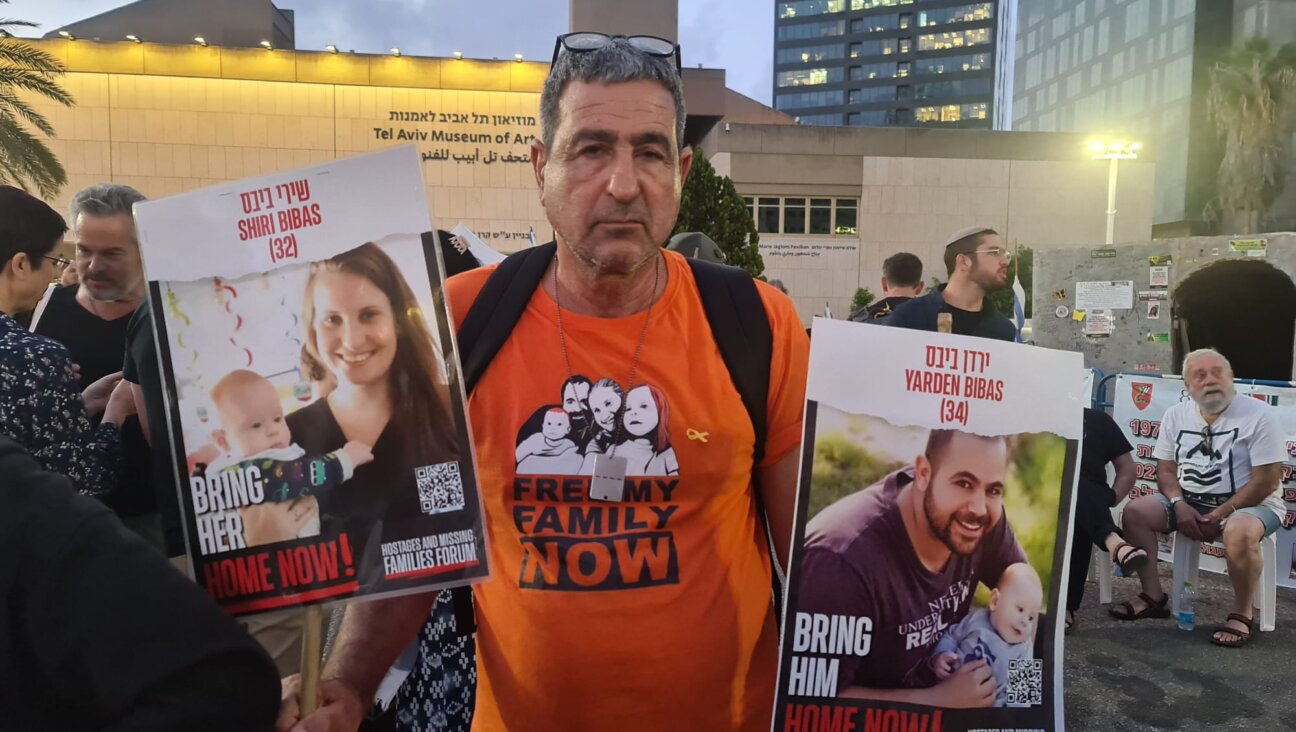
(1154, 310)
(1160, 259)
(1158, 276)
(1098, 323)
(1251, 247)
(1105, 295)
(1062, 311)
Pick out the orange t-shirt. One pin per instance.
(649, 614)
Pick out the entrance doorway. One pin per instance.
(1246, 310)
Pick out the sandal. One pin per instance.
(1129, 558)
(1240, 637)
(1070, 623)
(1154, 609)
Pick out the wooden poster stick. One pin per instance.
(310, 665)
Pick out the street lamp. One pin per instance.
(1113, 151)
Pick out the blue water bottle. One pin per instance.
(1187, 599)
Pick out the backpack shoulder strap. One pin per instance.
(498, 307)
(487, 325)
(741, 329)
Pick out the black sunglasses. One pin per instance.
(584, 41)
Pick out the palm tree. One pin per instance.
(24, 158)
(1246, 102)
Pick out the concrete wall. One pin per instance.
(1128, 347)
(226, 23)
(644, 17)
(915, 188)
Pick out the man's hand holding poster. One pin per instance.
(932, 528)
(314, 401)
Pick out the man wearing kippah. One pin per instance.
(977, 263)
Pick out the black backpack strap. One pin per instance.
(741, 329)
(487, 325)
(498, 307)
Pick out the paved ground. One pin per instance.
(1149, 675)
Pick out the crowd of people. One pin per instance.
(103, 633)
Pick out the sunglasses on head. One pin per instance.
(585, 41)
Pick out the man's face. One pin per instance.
(1210, 382)
(989, 267)
(963, 490)
(107, 257)
(576, 399)
(611, 183)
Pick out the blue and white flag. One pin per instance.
(531, 234)
(1019, 305)
(827, 310)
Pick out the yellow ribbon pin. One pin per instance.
(695, 435)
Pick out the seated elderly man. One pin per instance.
(1219, 465)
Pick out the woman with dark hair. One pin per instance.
(41, 405)
(378, 373)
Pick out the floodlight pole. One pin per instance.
(1111, 201)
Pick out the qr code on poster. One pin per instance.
(1025, 686)
(440, 489)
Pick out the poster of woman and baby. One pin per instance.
(926, 579)
(314, 401)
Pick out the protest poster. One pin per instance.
(315, 407)
(1139, 402)
(932, 534)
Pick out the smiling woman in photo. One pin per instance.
(376, 367)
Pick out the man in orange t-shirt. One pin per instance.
(651, 612)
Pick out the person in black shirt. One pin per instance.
(92, 320)
(901, 282)
(98, 632)
(977, 263)
(1103, 443)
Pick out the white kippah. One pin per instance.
(965, 233)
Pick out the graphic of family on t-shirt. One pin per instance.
(598, 418)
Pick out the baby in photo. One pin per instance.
(253, 433)
(1001, 633)
(551, 450)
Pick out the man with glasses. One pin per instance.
(1219, 476)
(633, 610)
(92, 319)
(977, 263)
(41, 405)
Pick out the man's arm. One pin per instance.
(1186, 516)
(137, 396)
(1168, 479)
(1125, 475)
(372, 636)
(1264, 480)
(971, 685)
(778, 486)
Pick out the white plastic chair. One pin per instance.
(1187, 558)
(1100, 563)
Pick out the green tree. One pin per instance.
(25, 159)
(863, 298)
(710, 204)
(1250, 88)
(1024, 266)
